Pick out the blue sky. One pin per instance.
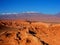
(18, 6)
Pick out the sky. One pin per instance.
(19, 6)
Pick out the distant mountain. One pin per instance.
(33, 17)
(58, 14)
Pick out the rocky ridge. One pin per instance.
(18, 32)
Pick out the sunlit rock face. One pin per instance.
(22, 32)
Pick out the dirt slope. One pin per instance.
(18, 32)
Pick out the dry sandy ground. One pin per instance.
(18, 32)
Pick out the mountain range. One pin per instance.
(33, 17)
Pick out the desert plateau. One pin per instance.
(22, 32)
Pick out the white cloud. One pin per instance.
(8, 13)
(19, 13)
(30, 12)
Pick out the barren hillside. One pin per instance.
(20, 32)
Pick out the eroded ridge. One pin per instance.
(16, 32)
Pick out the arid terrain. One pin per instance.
(22, 32)
(29, 22)
(29, 29)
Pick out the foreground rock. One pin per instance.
(17, 32)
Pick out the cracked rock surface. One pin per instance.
(16, 32)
